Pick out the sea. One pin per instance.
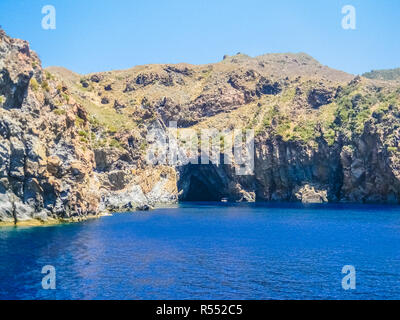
(209, 251)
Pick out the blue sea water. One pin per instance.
(210, 251)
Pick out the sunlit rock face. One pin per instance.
(74, 146)
(45, 172)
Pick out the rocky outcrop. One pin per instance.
(105, 100)
(320, 96)
(46, 173)
(310, 194)
(266, 86)
(73, 147)
(129, 199)
(359, 169)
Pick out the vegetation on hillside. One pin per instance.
(387, 74)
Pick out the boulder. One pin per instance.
(311, 194)
(318, 97)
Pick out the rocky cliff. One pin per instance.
(73, 147)
(48, 172)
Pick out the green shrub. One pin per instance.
(269, 116)
(143, 146)
(353, 111)
(49, 76)
(112, 129)
(34, 84)
(329, 136)
(283, 130)
(114, 143)
(304, 131)
(79, 122)
(388, 74)
(66, 97)
(59, 112)
(83, 133)
(45, 86)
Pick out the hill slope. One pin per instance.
(389, 74)
(320, 134)
(321, 129)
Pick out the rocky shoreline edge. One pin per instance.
(59, 221)
(75, 219)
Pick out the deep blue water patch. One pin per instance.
(210, 251)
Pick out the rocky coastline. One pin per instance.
(73, 147)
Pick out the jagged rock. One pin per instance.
(118, 106)
(209, 104)
(105, 100)
(84, 83)
(36, 144)
(24, 212)
(81, 112)
(78, 170)
(118, 179)
(144, 207)
(96, 78)
(6, 208)
(160, 194)
(310, 194)
(107, 159)
(267, 87)
(180, 69)
(146, 79)
(54, 165)
(17, 158)
(5, 153)
(131, 198)
(130, 86)
(320, 96)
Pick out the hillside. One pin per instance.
(389, 74)
(321, 135)
(316, 126)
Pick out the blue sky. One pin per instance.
(99, 35)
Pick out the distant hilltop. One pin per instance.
(385, 74)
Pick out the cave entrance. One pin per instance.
(202, 183)
(199, 191)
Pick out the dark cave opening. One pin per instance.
(199, 191)
(202, 183)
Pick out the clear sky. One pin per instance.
(99, 35)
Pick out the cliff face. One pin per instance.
(350, 156)
(48, 170)
(75, 146)
(45, 172)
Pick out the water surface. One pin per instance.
(210, 251)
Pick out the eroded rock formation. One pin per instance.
(73, 147)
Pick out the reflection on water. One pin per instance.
(209, 251)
